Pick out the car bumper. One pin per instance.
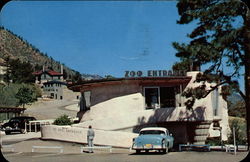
(147, 147)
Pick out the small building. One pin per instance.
(131, 103)
(52, 84)
(54, 89)
(43, 76)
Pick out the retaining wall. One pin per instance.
(79, 135)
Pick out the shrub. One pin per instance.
(63, 120)
(240, 130)
(214, 141)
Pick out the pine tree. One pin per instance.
(25, 96)
(221, 39)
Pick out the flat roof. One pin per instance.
(11, 109)
(145, 81)
(55, 82)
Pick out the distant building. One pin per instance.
(54, 89)
(53, 85)
(131, 103)
(47, 75)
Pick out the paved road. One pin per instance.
(23, 143)
(51, 109)
(127, 157)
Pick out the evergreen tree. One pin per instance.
(25, 96)
(65, 74)
(220, 40)
(19, 72)
(77, 77)
(7, 74)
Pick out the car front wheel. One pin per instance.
(138, 151)
(165, 150)
(22, 131)
(7, 132)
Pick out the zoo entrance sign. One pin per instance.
(154, 73)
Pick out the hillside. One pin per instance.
(236, 106)
(16, 47)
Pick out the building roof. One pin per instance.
(55, 82)
(11, 109)
(50, 72)
(145, 81)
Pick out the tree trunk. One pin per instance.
(247, 72)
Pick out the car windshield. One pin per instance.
(14, 120)
(152, 132)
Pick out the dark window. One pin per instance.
(159, 97)
(152, 98)
(167, 95)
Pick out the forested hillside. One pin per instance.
(15, 47)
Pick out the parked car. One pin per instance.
(153, 138)
(16, 124)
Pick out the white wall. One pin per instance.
(122, 107)
(79, 135)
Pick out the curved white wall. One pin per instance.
(79, 135)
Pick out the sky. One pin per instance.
(100, 37)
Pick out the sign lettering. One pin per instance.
(154, 73)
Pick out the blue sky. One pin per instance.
(100, 37)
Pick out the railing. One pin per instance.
(37, 124)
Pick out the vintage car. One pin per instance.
(16, 124)
(153, 138)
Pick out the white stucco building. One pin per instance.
(131, 103)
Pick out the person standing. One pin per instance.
(90, 138)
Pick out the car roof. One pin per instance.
(154, 128)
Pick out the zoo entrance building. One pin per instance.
(131, 103)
